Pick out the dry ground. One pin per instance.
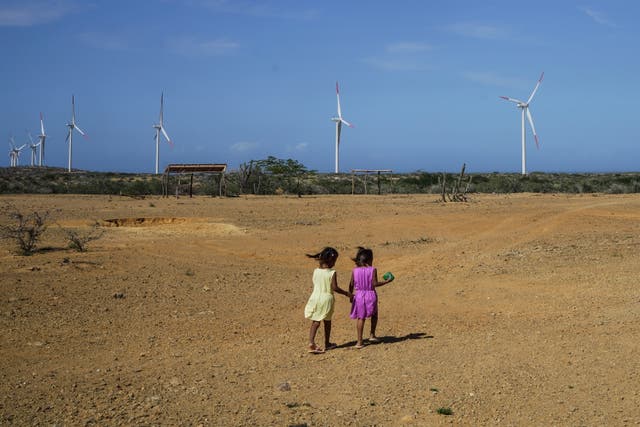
(509, 310)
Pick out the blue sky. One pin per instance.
(242, 80)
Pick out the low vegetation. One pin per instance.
(25, 230)
(274, 176)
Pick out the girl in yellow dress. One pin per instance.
(319, 308)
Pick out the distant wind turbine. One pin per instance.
(42, 137)
(14, 153)
(34, 149)
(339, 121)
(524, 106)
(71, 127)
(160, 129)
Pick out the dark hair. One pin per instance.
(363, 257)
(326, 255)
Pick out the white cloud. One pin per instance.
(243, 147)
(258, 8)
(407, 47)
(397, 64)
(478, 31)
(28, 13)
(189, 46)
(598, 17)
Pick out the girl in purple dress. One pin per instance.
(363, 284)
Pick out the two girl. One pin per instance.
(319, 308)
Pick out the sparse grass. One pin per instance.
(444, 411)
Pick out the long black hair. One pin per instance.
(326, 255)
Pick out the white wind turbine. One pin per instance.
(34, 149)
(339, 121)
(42, 137)
(524, 106)
(160, 129)
(14, 153)
(71, 127)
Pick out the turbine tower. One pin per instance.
(34, 149)
(71, 127)
(339, 121)
(524, 106)
(160, 129)
(42, 138)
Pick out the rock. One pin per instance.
(175, 381)
(285, 386)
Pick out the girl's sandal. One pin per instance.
(314, 349)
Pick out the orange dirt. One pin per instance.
(510, 310)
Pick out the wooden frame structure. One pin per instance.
(190, 169)
(366, 172)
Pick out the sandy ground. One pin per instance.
(508, 310)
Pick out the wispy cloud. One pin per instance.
(27, 13)
(597, 16)
(243, 147)
(189, 46)
(478, 31)
(407, 47)
(104, 41)
(489, 78)
(401, 56)
(302, 146)
(397, 64)
(258, 8)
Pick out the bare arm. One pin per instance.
(376, 283)
(336, 288)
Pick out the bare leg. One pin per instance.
(360, 328)
(374, 324)
(312, 333)
(327, 333)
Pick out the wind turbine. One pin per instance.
(34, 149)
(524, 106)
(14, 153)
(339, 121)
(71, 127)
(160, 128)
(42, 138)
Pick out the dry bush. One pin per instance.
(78, 241)
(24, 229)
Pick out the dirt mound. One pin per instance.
(141, 222)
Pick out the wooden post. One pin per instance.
(353, 183)
(365, 183)
(378, 183)
(191, 187)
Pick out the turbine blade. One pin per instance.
(166, 136)
(339, 111)
(41, 124)
(73, 109)
(535, 89)
(346, 122)
(517, 101)
(161, 106)
(81, 132)
(533, 128)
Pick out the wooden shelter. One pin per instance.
(366, 172)
(191, 169)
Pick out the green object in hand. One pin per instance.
(387, 276)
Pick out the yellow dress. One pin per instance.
(320, 304)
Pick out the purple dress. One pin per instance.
(365, 299)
